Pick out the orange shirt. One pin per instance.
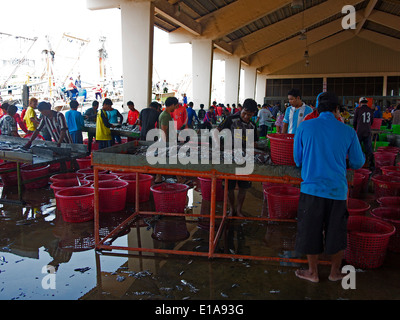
(133, 116)
(180, 117)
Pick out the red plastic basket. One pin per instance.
(394, 174)
(389, 149)
(357, 207)
(282, 201)
(367, 241)
(102, 177)
(171, 229)
(383, 159)
(112, 195)
(84, 162)
(392, 216)
(389, 202)
(63, 184)
(356, 188)
(390, 169)
(386, 186)
(376, 125)
(205, 186)
(144, 186)
(170, 197)
(76, 204)
(56, 166)
(366, 173)
(10, 178)
(31, 172)
(71, 176)
(282, 148)
(89, 171)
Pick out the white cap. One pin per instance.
(363, 99)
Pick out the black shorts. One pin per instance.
(321, 223)
(242, 184)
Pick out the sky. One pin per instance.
(39, 18)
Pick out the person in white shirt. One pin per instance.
(264, 116)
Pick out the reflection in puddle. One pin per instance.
(35, 236)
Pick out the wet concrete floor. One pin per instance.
(44, 258)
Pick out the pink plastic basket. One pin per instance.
(9, 178)
(392, 216)
(144, 186)
(84, 162)
(389, 202)
(367, 241)
(282, 201)
(205, 186)
(31, 172)
(112, 195)
(71, 176)
(357, 207)
(170, 197)
(386, 186)
(357, 187)
(76, 204)
(282, 148)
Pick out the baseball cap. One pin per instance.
(363, 99)
(43, 105)
(326, 98)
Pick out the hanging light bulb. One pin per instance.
(307, 63)
(306, 55)
(303, 35)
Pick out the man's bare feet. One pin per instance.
(336, 276)
(307, 275)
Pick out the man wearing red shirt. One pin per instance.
(133, 114)
(180, 117)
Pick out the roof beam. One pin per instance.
(237, 15)
(371, 5)
(315, 48)
(380, 39)
(385, 19)
(267, 55)
(173, 13)
(276, 32)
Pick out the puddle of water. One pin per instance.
(44, 258)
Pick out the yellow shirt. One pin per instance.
(102, 132)
(30, 113)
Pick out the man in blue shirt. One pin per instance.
(75, 122)
(191, 114)
(321, 146)
(295, 113)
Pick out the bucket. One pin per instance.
(10, 178)
(84, 162)
(366, 173)
(31, 172)
(63, 184)
(71, 176)
(282, 201)
(367, 241)
(102, 177)
(205, 186)
(282, 148)
(388, 169)
(112, 195)
(389, 202)
(386, 186)
(89, 171)
(357, 187)
(392, 216)
(170, 197)
(76, 204)
(383, 159)
(357, 207)
(144, 186)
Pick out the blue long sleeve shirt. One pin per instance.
(321, 147)
(191, 113)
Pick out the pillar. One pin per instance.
(232, 80)
(250, 78)
(384, 91)
(261, 88)
(202, 62)
(137, 24)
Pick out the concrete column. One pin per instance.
(202, 63)
(324, 84)
(137, 20)
(250, 78)
(384, 91)
(261, 88)
(232, 80)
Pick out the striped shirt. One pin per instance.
(293, 117)
(54, 125)
(8, 126)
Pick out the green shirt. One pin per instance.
(163, 120)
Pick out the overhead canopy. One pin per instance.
(265, 34)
